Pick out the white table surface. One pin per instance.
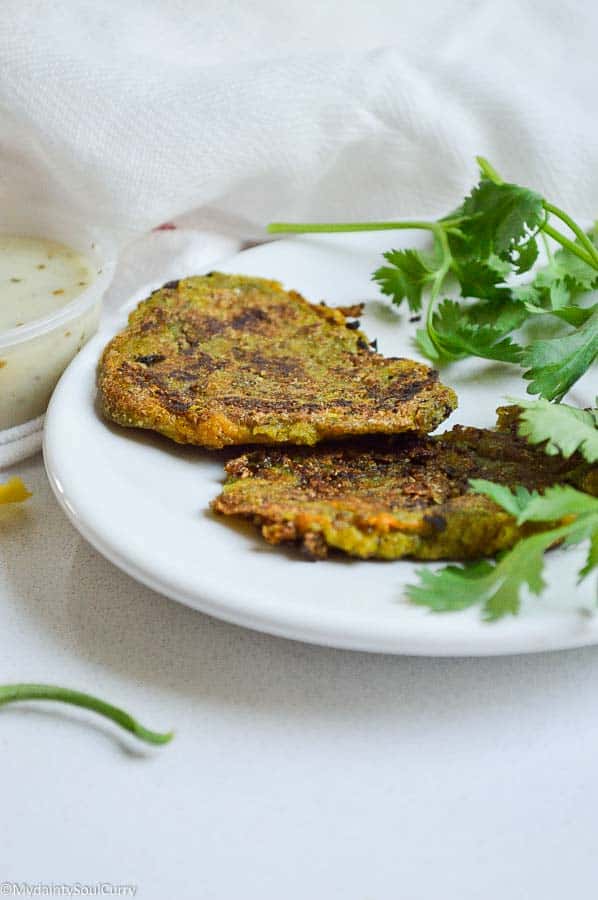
(297, 771)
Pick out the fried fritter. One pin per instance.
(390, 498)
(226, 359)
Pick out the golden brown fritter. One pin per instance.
(389, 498)
(227, 359)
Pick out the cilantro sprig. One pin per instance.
(469, 283)
(562, 429)
(479, 251)
(572, 516)
(498, 584)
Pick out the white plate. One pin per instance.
(143, 502)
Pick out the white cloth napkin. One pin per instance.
(225, 115)
(20, 442)
(132, 112)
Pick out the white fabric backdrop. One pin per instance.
(297, 771)
(132, 112)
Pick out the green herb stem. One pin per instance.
(564, 241)
(547, 246)
(338, 227)
(579, 233)
(591, 255)
(441, 273)
(333, 227)
(488, 170)
(10, 693)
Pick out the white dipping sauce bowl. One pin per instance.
(34, 355)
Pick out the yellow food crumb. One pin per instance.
(13, 491)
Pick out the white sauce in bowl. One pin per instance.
(37, 277)
(50, 300)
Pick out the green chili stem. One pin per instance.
(10, 693)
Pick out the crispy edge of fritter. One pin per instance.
(467, 526)
(128, 403)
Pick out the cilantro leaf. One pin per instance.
(480, 278)
(450, 588)
(534, 296)
(499, 220)
(514, 502)
(565, 429)
(406, 277)
(579, 275)
(525, 255)
(508, 316)
(556, 284)
(556, 364)
(592, 561)
(572, 315)
(498, 585)
(557, 502)
(491, 237)
(460, 337)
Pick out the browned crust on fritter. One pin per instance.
(389, 498)
(223, 359)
